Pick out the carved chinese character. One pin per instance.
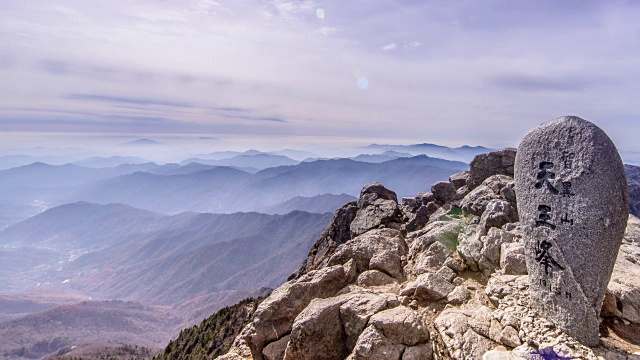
(544, 258)
(567, 159)
(566, 189)
(565, 219)
(544, 175)
(544, 217)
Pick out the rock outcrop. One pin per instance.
(389, 281)
(493, 163)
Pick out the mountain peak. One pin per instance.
(443, 272)
(143, 142)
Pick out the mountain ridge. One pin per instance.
(441, 276)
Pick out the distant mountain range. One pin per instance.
(191, 264)
(111, 238)
(115, 251)
(12, 161)
(226, 190)
(112, 161)
(31, 183)
(88, 324)
(315, 204)
(633, 180)
(463, 153)
(378, 158)
(142, 142)
(81, 227)
(257, 161)
(290, 153)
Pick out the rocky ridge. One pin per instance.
(440, 276)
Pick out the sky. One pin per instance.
(339, 71)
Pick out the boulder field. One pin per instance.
(442, 275)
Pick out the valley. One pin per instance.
(157, 248)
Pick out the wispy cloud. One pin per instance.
(116, 99)
(327, 30)
(55, 67)
(390, 47)
(291, 9)
(413, 44)
(521, 82)
(259, 118)
(460, 70)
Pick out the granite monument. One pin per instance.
(573, 204)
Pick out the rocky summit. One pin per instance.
(442, 275)
(573, 206)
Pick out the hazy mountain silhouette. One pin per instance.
(314, 204)
(142, 142)
(211, 253)
(202, 191)
(80, 226)
(11, 161)
(115, 251)
(378, 158)
(113, 161)
(36, 335)
(258, 161)
(633, 179)
(226, 190)
(463, 153)
(50, 183)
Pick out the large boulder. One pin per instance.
(380, 249)
(429, 251)
(460, 179)
(338, 232)
(377, 207)
(512, 261)
(493, 163)
(275, 315)
(460, 339)
(498, 213)
(373, 345)
(428, 287)
(421, 216)
(477, 200)
(356, 312)
(626, 276)
(374, 191)
(401, 325)
(482, 252)
(317, 333)
(443, 191)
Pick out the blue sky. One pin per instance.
(449, 72)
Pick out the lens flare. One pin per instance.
(320, 14)
(363, 82)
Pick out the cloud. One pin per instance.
(522, 82)
(389, 47)
(116, 99)
(55, 67)
(327, 30)
(291, 9)
(225, 66)
(109, 123)
(259, 118)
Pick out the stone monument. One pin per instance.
(573, 204)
